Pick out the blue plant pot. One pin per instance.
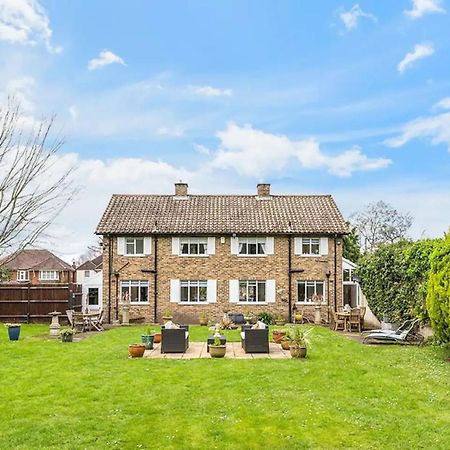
(147, 339)
(14, 333)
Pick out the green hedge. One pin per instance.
(394, 279)
(438, 298)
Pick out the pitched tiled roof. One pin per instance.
(221, 214)
(93, 264)
(34, 259)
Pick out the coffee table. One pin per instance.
(210, 341)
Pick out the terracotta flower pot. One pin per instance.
(203, 321)
(217, 351)
(298, 352)
(157, 338)
(278, 336)
(285, 345)
(136, 350)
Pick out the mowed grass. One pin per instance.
(88, 394)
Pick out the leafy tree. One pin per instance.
(380, 224)
(351, 248)
(394, 279)
(438, 298)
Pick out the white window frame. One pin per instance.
(87, 273)
(23, 275)
(253, 283)
(310, 243)
(193, 284)
(132, 241)
(193, 241)
(48, 275)
(135, 283)
(310, 283)
(258, 241)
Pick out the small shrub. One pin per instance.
(266, 317)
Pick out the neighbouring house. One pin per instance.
(353, 294)
(36, 267)
(90, 276)
(208, 254)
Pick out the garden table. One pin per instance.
(346, 316)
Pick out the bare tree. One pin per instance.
(34, 188)
(380, 223)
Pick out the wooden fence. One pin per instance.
(32, 303)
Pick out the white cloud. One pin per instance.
(436, 127)
(443, 104)
(422, 7)
(105, 58)
(420, 51)
(22, 90)
(25, 22)
(252, 152)
(202, 149)
(210, 91)
(351, 17)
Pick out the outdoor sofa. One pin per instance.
(174, 340)
(255, 340)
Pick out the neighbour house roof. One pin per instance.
(222, 214)
(93, 264)
(35, 260)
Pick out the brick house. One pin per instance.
(194, 254)
(35, 266)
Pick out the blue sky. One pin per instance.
(341, 97)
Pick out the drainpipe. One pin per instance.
(335, 272)
(155, 266)
(110, 265)
(290, 276)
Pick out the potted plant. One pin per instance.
(278, 335)
(279, 320)
(136, 350)
(147, 339)
(247, 316)
(285, 342)
(67, 335)
(203, 319)
(299, 342)
(216, 349)
(13, 331)
(167, 315)
(157, 337)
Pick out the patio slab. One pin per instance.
(198, 350)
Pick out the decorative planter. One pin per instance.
(285, 345)
(147, 340)
(66, 337)
(298, 317)
(280, 322)
(156, 338)
(14, 332)
(278, 336)
(136, 350)
(298, 352)
(203, 321)
(167, 318)
(217, 351)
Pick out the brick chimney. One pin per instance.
(181, 189)
(263, 190)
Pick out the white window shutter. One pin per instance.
(297, 246)
(211, 291)
(270, 291)
(234, 245)
(174, 291)
(234, 291)
(175, 246)
(121, 246)
(211, 246)
(324, 246)
(147, 245)
(270, 243)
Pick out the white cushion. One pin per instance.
(187, 334)
(242, 334)
(169, 325)
(261, 325)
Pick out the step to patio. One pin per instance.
(198, 350)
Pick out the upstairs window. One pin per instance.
(193, 246)
(22, 275)
(49, 275)
(310, 246)
(134, 246)
(87, 273)
(252, 246)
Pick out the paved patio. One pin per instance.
(234, 351)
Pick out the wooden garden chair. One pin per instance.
(354, 319)
(339, 320)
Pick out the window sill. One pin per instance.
(311, 303)
(133, 255)
(252, 256)
(310, 256)
(193, 256)
(139, 303)
(193, 303)
(252, 303)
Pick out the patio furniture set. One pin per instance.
(348, 320)
(85, 321)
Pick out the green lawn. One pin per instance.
(88, 394)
